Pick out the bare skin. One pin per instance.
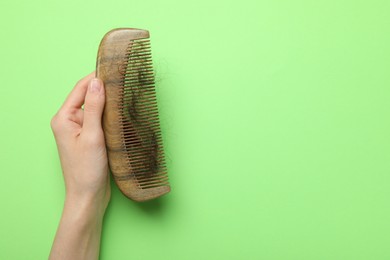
(81, 147)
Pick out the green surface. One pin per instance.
(275, 117)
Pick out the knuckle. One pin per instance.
(56, 122)
(93, 140)
(92, 106)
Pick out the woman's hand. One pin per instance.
(81, 147)
(80, 141)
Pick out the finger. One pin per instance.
(77, 116)
(94, 105)
(76, 97)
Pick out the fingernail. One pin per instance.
(95, 85)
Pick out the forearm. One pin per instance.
(79, 231)
(81, 146)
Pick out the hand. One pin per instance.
(81, 147)
(80, 142)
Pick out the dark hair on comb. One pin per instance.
(130, 120)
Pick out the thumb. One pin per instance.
(94, 105)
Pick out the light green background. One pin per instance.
(275, 119)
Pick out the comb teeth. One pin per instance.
(130, 119)
(138, 118)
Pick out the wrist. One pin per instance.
(78, 235)
(84, 208)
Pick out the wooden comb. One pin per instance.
(130, 119)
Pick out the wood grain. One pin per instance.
(112, 60)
